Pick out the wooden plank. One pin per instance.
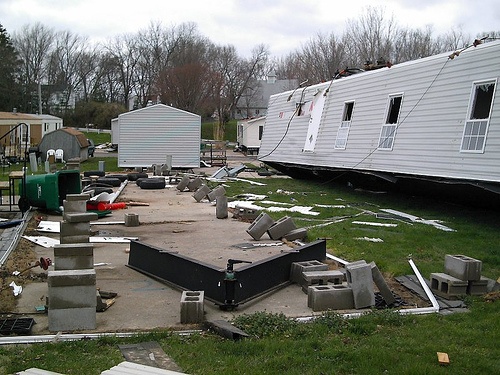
(443, 358)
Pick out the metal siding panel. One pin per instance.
(436, 97)
(148, 135)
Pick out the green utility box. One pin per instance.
(50, 190)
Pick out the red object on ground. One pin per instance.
(104, 206)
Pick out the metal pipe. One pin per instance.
(78, 336)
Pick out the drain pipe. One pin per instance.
(78, 336)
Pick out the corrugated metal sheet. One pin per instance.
(148, 135)
(436, 93)
(129, 368)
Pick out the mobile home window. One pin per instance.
(261, 130)
(345, 124)
(388, 131)
(476, 124)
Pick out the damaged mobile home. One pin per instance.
(433, 120)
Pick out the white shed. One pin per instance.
(249, 134)
(148, 135)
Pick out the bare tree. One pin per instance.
(123, 58)
(64, 62)
(371, 37)
(33, 44)
(233, 75)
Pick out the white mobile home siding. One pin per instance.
(148, 135)
(436, 92)
(249, 135)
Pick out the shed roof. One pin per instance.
(17, 116)
(81, 138)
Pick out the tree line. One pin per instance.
(85, 83)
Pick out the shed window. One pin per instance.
(476, 124)
(388, 131)
(345, 124)
(261, 130)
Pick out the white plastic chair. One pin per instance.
(50, 152)
(60, 155)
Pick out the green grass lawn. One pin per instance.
(380, 343)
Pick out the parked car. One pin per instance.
(91, 148)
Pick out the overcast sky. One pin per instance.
(283, 25)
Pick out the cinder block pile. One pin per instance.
(72, 283)
(462, 275)
(201, 191)
(348, 288)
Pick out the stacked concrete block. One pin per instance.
(321, 278)
(462, 275)
(382, 286)
(192, 307)
(72, 300)
(219, 191)
(360, 279)
(298, 268)
(447, 286)
(281, 227)
(478, 287)
(201, 192)
(260, 226)
(73, 256)
(72, 284)
(330, 297)
(462, 267)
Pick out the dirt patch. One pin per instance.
(22, 257)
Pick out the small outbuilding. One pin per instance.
(157, 134)
(249, 134)
(73, 143)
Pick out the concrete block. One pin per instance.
(79, 217)
(75, 229)
(73, 256)
(245, 213)
(330, 297)
(260, 226)
(296, 234)
(281, 227)
(382, 286)
(201, 193)
(192, 307)
(72, 297)
(321, 278)
(194, 184)
(78, 319)
(447, 286)
(183, 183)
(216, 192)
(297, 268)
(77, 197)
(131, 220)
(478, 287)
(74, 206)
(360, 279)
(74, 239)
(221, 207)
(71, 278)
(462, 267)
